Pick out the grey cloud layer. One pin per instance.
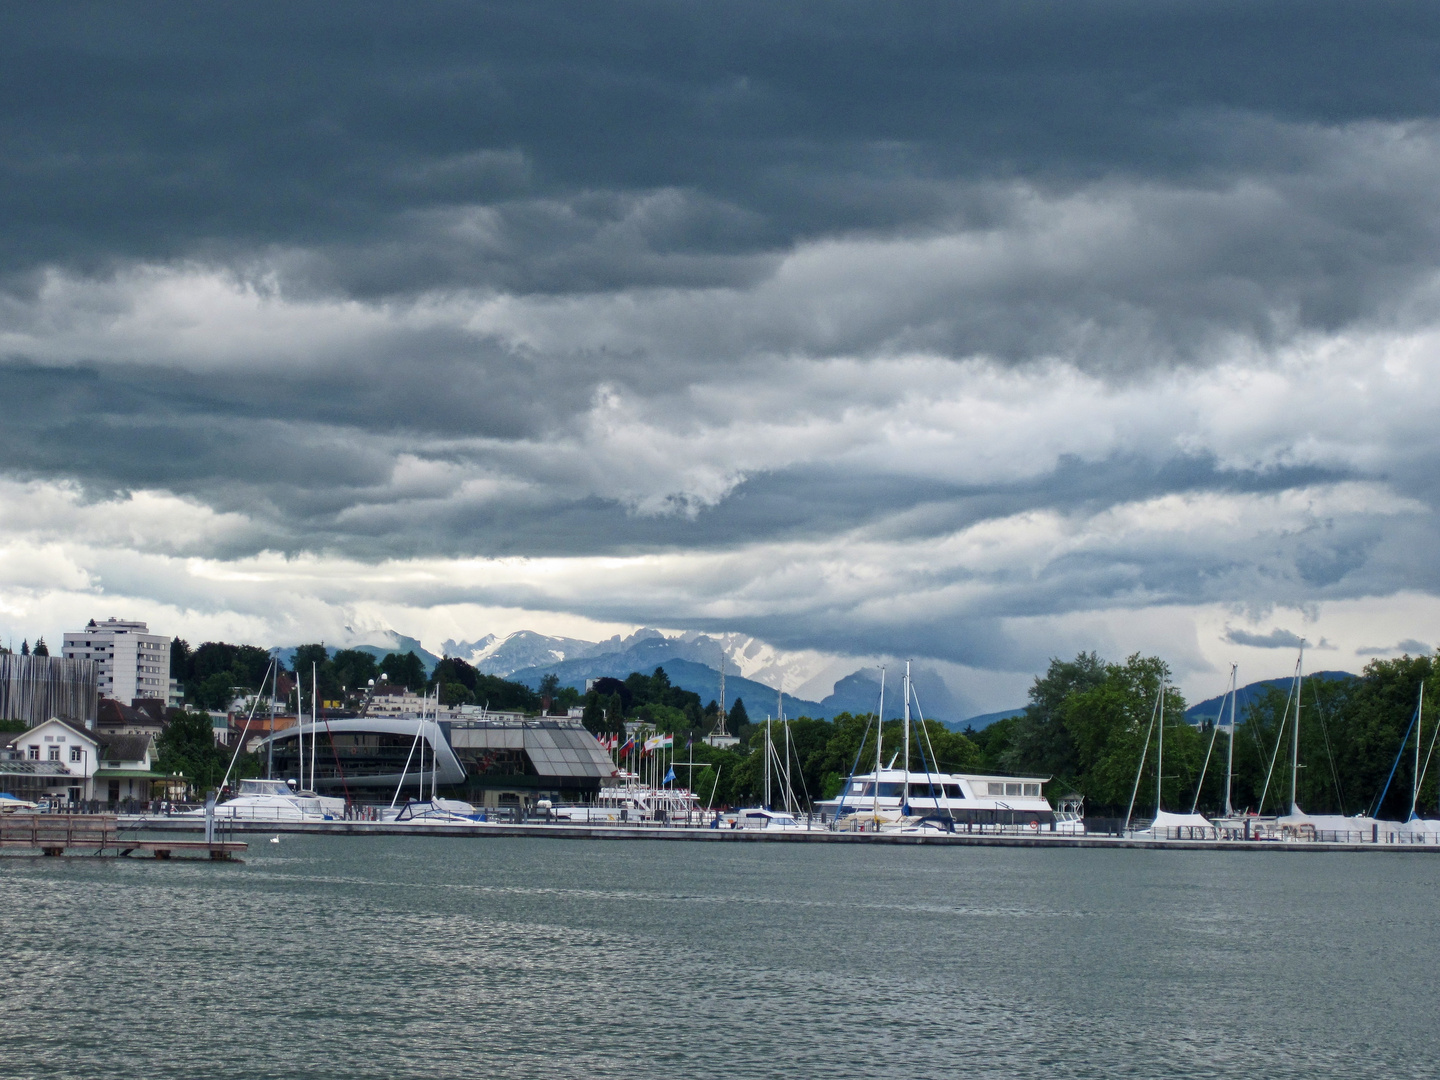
(651, 278)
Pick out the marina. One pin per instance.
(1399, 841)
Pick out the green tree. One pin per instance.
(1039, 742)
(454, 693)
(187, 746)
(354, 669)
(41, 649)
(179, 658)
(215, 691)
(407, 669)
(549, 690)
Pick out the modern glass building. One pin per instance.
(485, 762)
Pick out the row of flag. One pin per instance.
(656, 742)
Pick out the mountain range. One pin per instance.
(753, 670)
(1210, 708)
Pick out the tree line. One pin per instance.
(1088, 722)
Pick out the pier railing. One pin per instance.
(55, 832)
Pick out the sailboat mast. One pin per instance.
(1160, 751)
(879, 738)
(270, 747)
(1295, 736)
(1419, 723)
(300, 730)
(314, 715)
(905, 790)
(1230, 757)
(767, 761)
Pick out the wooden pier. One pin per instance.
(97, 835)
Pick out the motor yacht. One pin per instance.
(276, 800)
(972, 801)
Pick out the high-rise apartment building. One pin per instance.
(133, 662)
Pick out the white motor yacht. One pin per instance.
(276, 800)
(972, 801)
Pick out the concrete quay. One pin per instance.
(553, 831)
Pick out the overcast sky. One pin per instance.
(977, 333)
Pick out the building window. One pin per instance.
(76, 754)
(34, 753)
(54, 753)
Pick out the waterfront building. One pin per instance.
(142, 718)
(60, 760)
(133, 663)
(35, 688)
(387, 699)
(488, 762)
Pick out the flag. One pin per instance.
(670, 776)
(690, 741)
(629, 745)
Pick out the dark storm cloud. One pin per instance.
(152, 131)
(535, 279)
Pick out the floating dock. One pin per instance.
(556, 831)
(98, 835)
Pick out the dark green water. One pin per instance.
(439, 958)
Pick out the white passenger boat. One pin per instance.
(276, 800)
(971, 801)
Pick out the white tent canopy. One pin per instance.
(1168, 826)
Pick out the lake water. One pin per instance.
(420, 957)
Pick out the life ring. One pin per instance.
(1034, 826)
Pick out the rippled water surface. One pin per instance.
(417, 957)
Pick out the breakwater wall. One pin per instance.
(552, 831)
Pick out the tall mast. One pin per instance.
(1419, 723)
(767, 761)
(723, 729)
(1230, 757)
(300, 730)
(905, 789)
(1160, 750)
(270, 747)
(1295, 740)
(314, 715)
(879, 737)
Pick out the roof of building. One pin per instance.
(126, 747)
(33, 768)
(112, 713)
(69, 725)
